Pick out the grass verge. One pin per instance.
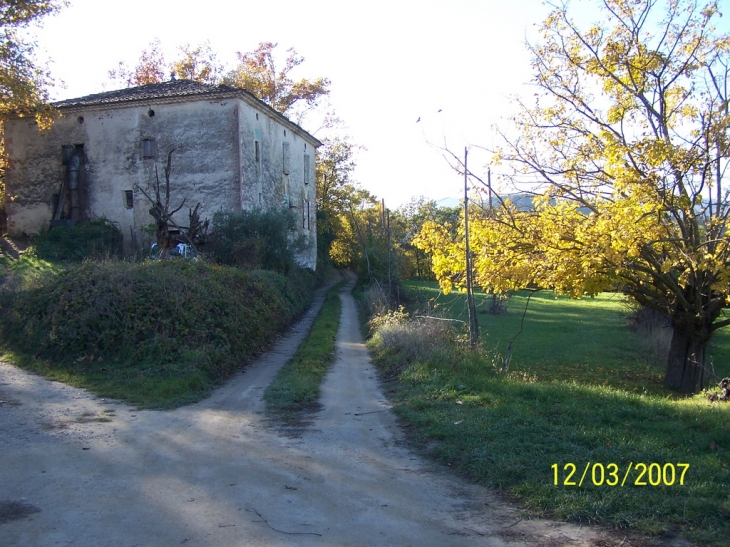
(296, 387)
(580, 393)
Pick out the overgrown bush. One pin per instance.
(258, 239)
(414, 340)
(175, 318)
(407, 340)
(91, 239)
(374, 301)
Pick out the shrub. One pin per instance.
(177, 316)
(405, 341)
(92, 239)
(255, 239)
(374, 301)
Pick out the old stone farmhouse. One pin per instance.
(231, 152)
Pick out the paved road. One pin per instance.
(217, 473)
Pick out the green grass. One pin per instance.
(566, 340)
(296, 387)
(580, 389)
(26, 272)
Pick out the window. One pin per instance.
(256, 151)
(67, 150)
(285, 157)
(129, 199)
(149, 149)
(306, 168)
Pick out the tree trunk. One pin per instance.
(686, 362)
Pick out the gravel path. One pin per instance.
(83, 471)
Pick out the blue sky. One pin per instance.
(390, 63)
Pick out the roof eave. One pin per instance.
(241, 94)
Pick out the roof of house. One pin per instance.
(175, 91)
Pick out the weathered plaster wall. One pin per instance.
(205, 160)
(213, 163)
(35, 170)
(266, 184)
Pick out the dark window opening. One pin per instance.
(80, 119)
(149, 149)
(67, 151)
(150, 112)
(129, 199)
(285, 157)
(257, 151)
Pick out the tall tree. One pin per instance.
(628, 139)
(257, 72)
(199, 64)
(193, 63)
(412, 216)
(23, 85)
(338, 195)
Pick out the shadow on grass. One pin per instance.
(517, 436)
(581, 400)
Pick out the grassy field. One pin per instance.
(296, 387)
(566, 340)
(582, 403)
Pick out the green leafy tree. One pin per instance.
(411, 218)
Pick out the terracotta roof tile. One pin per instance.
(173, 88)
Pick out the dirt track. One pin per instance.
(218, 474)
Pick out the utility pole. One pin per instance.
(489, 187)
(473, 323)
(495, 301)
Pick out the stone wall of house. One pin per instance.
(283, 175)
(214, 163)
(204, 163)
